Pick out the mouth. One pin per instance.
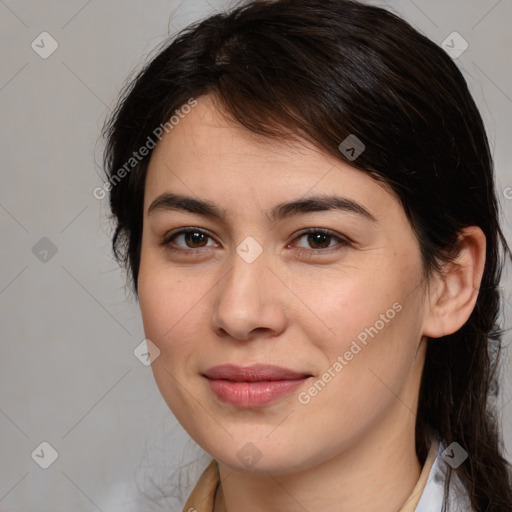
(253, 386)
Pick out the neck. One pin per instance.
(377, 473)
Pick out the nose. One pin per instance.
(250, 301)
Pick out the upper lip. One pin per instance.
(253, 373)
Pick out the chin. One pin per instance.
(262, 456)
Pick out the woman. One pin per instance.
(303, 194)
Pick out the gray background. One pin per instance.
(68, 375)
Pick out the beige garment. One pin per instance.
(202, 497)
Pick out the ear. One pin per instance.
(452, 293)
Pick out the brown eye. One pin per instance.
(188, 239)
(195, 239)
(318, 239)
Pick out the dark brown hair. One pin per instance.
(323, 70)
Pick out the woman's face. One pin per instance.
(256, 281)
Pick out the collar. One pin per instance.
(434, 493)
(426, 496)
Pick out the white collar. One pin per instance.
(433, 494)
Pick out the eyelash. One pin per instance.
(342, 242)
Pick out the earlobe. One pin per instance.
(454, 291)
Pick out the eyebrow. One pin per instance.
(317, 203)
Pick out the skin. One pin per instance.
(297, 305)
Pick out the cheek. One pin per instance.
(173, 312)
(350, 306)
(370, 349)
(366, 326)
(168, 316)
(162, 302)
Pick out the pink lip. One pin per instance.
(253, 386)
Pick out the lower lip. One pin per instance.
(253, 394)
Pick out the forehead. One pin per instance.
(209, 155)
(206, 135)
